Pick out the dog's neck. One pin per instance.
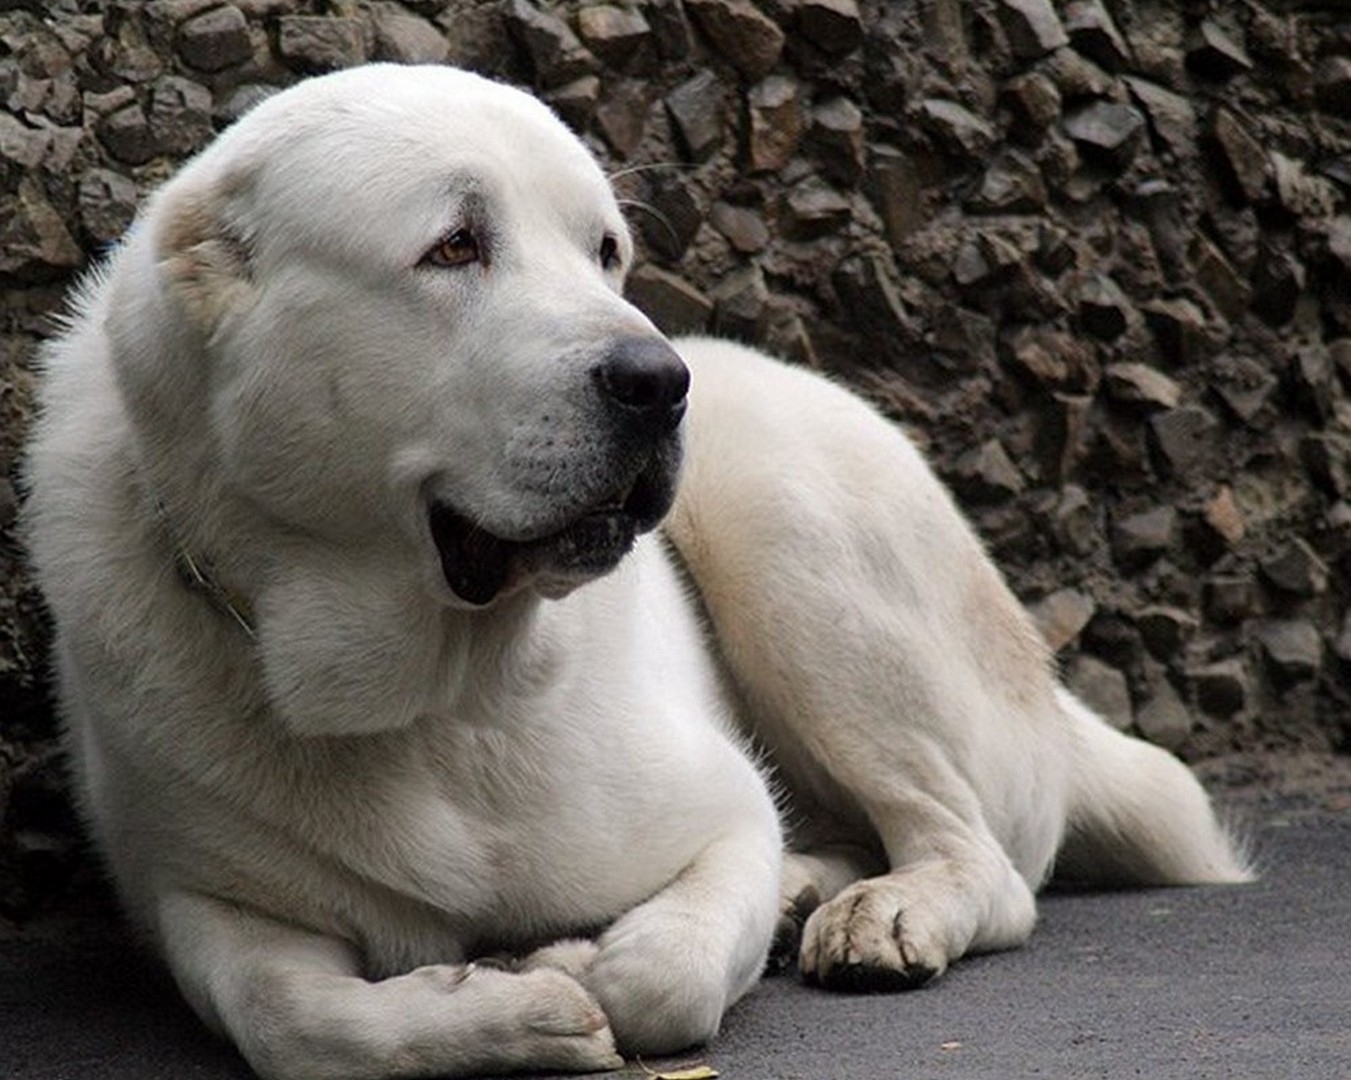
(198, 575)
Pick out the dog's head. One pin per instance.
(405, 286)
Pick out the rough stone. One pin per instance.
(1292, 649)
(1104, 310)
(576, 101)
(215, 40)
(987, 474)
(744, 229)
(1172, 117)
(1229, 598)
(836, 135)
(1034, 99)
(316, 43)
(1032, 27)
(671, 217)
(1011, 185)
(1165, 630)
(1183, 439)
(1061, 616)
(1214, 53)
(1332, 84)
(34, 240)
(126, 135)
(1327, 456)
(1223, 688)
(1299, 191)
(1106, 132)
(556, 53)
(741, 32)
(1295, 569)
(107, 202)
(1223, 518)
(696, 109)
(776, 122)
(675, 305)
(833, 26)
(740, 305)
(1164, 718)
(1074, 521)
(1242, 154)
(896, 189)
(812, 209)
(957, 129)
(619, 37)
(622, 116)
(1093, 32)
(1139, 539)
(1140, 384)
(1102, 688)
(179, 115)
(1179, 329)
(404, 38)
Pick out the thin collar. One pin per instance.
(199, 575)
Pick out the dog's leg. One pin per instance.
(810, 878)
(297, 1007)
(1138, 816)
(666, 971)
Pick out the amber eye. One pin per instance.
(460, 248)
(609, 252)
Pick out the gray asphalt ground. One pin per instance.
(1251, 983)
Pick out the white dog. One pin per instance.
(373, 667)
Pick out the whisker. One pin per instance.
(648, 208)
(646, 166)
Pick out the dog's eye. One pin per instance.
(460, 248)
(609, 252)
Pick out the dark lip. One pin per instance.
(478, 564)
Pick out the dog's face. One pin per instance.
(409, 282)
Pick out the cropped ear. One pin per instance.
(204, 255)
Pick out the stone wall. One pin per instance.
(1095, 254)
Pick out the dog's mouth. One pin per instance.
(478, 565)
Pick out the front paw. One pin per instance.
(661, 993)
(871, 938)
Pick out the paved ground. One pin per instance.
(1250, 983)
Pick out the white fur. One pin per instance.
(324, 827)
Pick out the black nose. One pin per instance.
(647, 380)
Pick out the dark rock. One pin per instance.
(622, 115)
(1012, 185)
(555, 52)
(180, 115)
(1245, 387)
(1102, 688)
(1104, 310)
(216, 39)
(671, 217)
(1159, 205)
(670, 30)
(1114, 638)
(1179, 329)
(1310, 381)
(126, 135)
(1216, 275)
(1183, 439)
(34, 240)
(576, 101)
(675, 305)
(1300, 192)
(1139, 384)
(1093, 33)
(1074, 521)
(1106, 132)
(1230, 599)
(1078, 78)
(870, 300)
(1221, 689)
(107, 204)
(776, 122)
(1242, 155)
(696, 108)
(239, 101)
(738, 29)
(1032, 27)
(986, 474)
(1050, 357)
(833, 26)
(897, 192)
(1139, 539)
(1291, 648)
(957, 129)
(836, 137)
(812, 209)
(1034, 100)
(744, 229)
(1327, 456)
(1061, 616)
(1215, 54)
(619, 37)
(1332, 84)
(317, 43)
(404, 38)
(1164, 718)
(1165, 630)
(1277, 284)
(1296, 569)
(740, 305)
(1172, 117)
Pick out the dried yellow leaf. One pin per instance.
(700, 1072)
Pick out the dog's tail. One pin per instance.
(1137, 815)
